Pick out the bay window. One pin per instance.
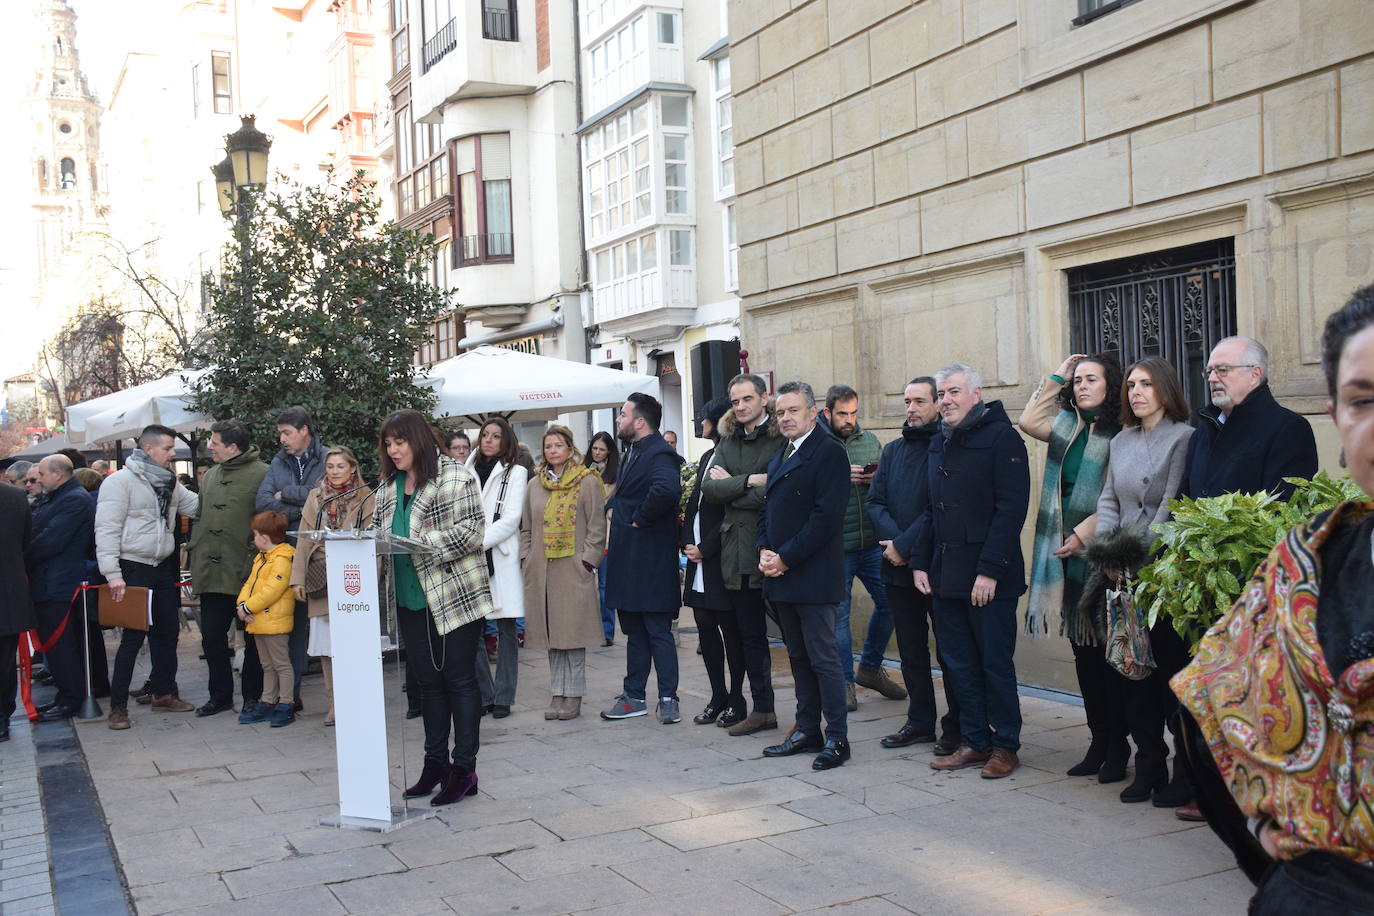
(485, 213)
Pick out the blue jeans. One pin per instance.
(649, 641)
(607, 615)
(867, 565)
(977, 645)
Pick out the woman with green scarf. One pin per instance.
(562, 537)
(1077, 411)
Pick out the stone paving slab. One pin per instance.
(25, 859)
(632, 817)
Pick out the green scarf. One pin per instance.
(560, 512)
(1056, 584)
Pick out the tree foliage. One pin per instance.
(1211, 547)
(320, 303)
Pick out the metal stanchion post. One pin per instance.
(90, 709)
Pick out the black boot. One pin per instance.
(1150, 775)
(1092, 761)
(434, 773)
(1177, 793)
(1091, 669)
(1114, 767)
(458, 785)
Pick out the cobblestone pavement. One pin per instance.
(25, 860)
(634, 817)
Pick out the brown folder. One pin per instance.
(135, 612)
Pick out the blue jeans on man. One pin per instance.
(649, 642)
(866, 565)
(977, 645)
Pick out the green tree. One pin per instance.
(319, 303)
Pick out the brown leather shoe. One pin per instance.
(961, 759)
(1189, 812)
(877, 679)
(118, 718)
(170, 702)
(1000, 764)
(754, 722)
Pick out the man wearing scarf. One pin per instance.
(968, 556)
(221, 553)
(135, 519)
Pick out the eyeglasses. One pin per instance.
(1223, 370)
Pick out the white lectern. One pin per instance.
(355, 637)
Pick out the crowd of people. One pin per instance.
(791, 504)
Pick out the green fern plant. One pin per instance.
(1211, 547)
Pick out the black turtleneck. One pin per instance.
(483, 466)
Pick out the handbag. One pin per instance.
(496, 514)
(316, 576)
(1128, 638)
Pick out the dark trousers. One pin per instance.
(607, 615)
(911, 616)
(250, 676)
(809, 631)
(751, 619)
(446, 669)
(978, 646)
(1103, 705)
(64, 660)
(9, 676)
(162, 636)
(300, 635)
(649, 641)
(1143, 707)
(501, 690)
(216, 617)
(97, 660)
(867, 566)
(720, 643)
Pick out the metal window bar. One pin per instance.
(443, 41)
(498, 23)
(1088, 10)
(1176, 304)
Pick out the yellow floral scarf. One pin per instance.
(560, 513)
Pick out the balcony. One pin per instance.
(649, 305)
(443, 41)
(478, 55)
(480, 249)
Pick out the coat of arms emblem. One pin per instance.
(353, 578)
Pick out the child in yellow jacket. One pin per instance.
(267, 606)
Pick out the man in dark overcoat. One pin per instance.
(642, 559)
(16, 608)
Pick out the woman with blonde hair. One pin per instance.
(562, 538)
(347, 504)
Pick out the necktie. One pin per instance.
(787, 452)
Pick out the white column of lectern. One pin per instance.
(355, 610)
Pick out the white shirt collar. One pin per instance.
(797, 443)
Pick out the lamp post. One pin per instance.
(238, 176)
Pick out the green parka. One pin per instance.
(741, 454)
(863, 447)
(221, 546)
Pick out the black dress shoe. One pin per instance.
(708, 715)
(907, 736)
(413, 712)
(45, 707)
(798, 742)
(499, 712)
(4, 733)
(947, 745)
(214, 707)
(835, 753)
(731, 717)
(56, 714)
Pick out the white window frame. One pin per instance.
(722, 133)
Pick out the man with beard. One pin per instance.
(896, 502)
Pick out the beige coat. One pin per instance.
(574, 619)
(359, 506)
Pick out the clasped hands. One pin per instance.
(770, 564)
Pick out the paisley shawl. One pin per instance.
(1292, 743)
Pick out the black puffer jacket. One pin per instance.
(898, 495)
(979, 495)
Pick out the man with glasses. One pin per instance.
(33, 487)
(1245, 442)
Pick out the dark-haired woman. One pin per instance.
(603, 456)
(1076, 410)
(1148, 457)
(441, 595)
(503, 501)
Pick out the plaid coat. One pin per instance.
(446, 514)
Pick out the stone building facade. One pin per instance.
(1002, 182)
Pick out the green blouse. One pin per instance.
(408, 591)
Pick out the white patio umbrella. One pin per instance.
(487, 381)
(125, 413)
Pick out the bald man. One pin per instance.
(63, 539)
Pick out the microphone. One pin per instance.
(319, 514)
(373, 487)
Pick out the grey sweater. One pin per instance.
(1145, 471)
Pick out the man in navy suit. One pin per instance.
(801, 555)
(642, 559)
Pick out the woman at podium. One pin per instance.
(442, 594)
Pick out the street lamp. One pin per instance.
(224, 185)
(244, 166)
